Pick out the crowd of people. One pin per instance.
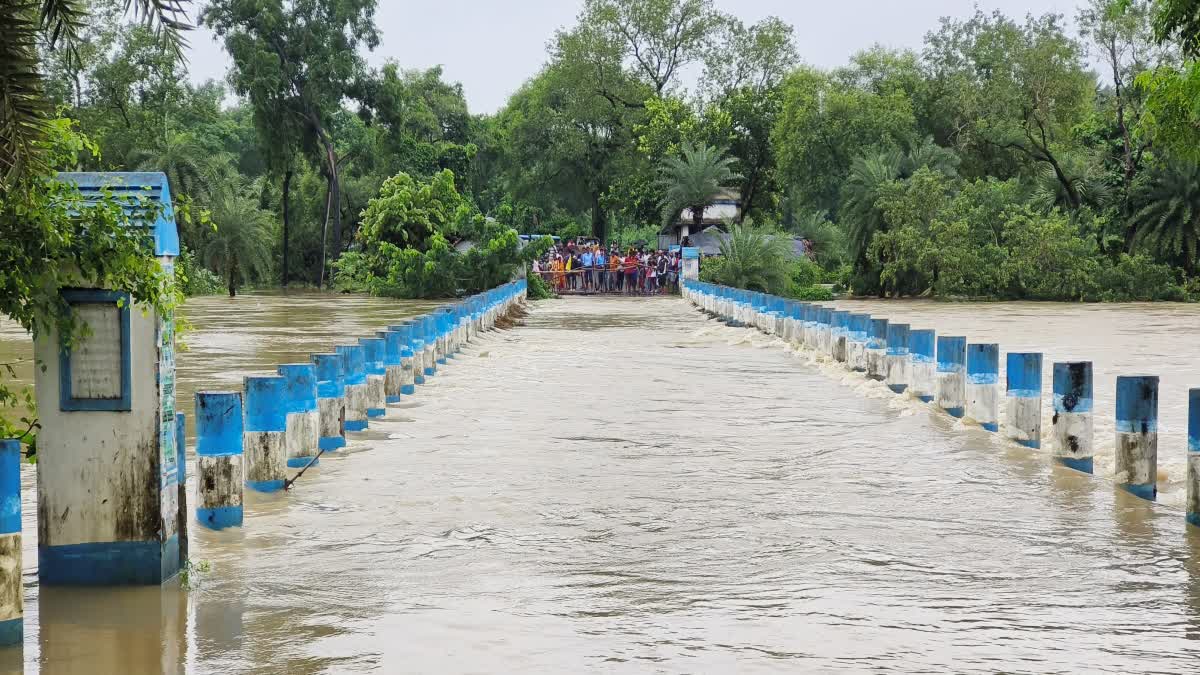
(590, 267)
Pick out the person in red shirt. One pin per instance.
(631, 272)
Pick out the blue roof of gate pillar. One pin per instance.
(149, 185)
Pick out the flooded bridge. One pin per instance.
(633, 485)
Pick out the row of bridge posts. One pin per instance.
(250, 439)
(963, 379)
(244, 439)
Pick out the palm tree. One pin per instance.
(755, 259)
(693, 180)
(928, 154)
(1167, 216)
(860, 193)
(188, 166)
(868, 174)
(240, 247)
(24, 27)
(1085, 175)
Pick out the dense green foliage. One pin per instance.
(407, 243)
(760, 259)
(1088, 132)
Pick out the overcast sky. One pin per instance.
(493, 46)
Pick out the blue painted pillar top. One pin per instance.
(354, 366)
(983, 363)
(920, 345)
(373, 355)
(1194, 420)
(841, 322)
(897, 339)
(1137, 403)
(301, 387)
(860, 327)
(218, 423)
(406, 331)
(331, 380)
(265, 408)
(392, 346)
(1023, 372)
(951, 353)
(10, 492)
(877, 337)
(1073, 387)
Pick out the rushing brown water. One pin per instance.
(625, 485)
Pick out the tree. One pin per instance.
(239, 248)
(296, 62)
(1119, 32)
(655, 39)
(756, 259)
(187, 165)
(860, 196)
(567, 135)
(1167, 219)
(693, 180)
(406, 213)
(870, 174)
(1171, 116)
(824, 125)
(753, 58)
(1018, 89)
(27, 113)
(1178, 21)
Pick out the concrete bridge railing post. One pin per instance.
(393, 371)
(1023, 398)
(373, 357)
(897, 359)
(441, 329)
(1193, 458)
(923, 365)
(1136, 452)
(302, 438)
(839, 335)
(263, 437)
(952, 374)
(12, 590)
(983, 385)
(824, 330)
(856, 346)
(429, 335)
(354, 368)
(417, 343)
(219, 469)
(877, 349)
(795, 323)
(1072, 421)
(331, 400)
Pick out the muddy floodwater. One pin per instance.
(624, 485)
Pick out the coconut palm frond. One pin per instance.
(1166, 221)
(694, 179)
(24, 109)
(860, 193)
